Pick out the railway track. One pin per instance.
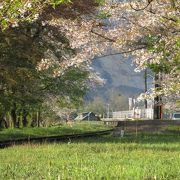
(62, 138)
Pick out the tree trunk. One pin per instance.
(24, 120)
(13, 115)
(3, 122)
(158, 108)
(38, 118)
(158, 111)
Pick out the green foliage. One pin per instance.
(21, 84)
(178, 42)
(170, 54)
(178, 102)
(97, 105)
(55, 3)
(161, 67)
(18, 11)
(103, 15)
(100, 2)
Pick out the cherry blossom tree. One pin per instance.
(148, 30)
(145, 29)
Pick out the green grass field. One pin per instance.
(144, 157)
(75, 128)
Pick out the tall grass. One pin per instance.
(143, 157)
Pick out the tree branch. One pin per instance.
(122, 52)
(140, 9)
(102, 36)
(164, 17)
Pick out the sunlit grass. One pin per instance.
(142, 157)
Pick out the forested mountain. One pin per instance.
(119, 76)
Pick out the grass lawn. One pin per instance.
(76, 128)
(144, 157)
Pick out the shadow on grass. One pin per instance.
(140, 138)
(27, 133)
(15, 134)
(147, 141)
(156, 142)
(151, 142)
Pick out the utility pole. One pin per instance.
(107, 110)
(158, 110)
(145, 87)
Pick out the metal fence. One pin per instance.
(134, 114)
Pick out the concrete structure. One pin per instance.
(133, 114)
(146, 126)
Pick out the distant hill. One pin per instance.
(119, 75)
